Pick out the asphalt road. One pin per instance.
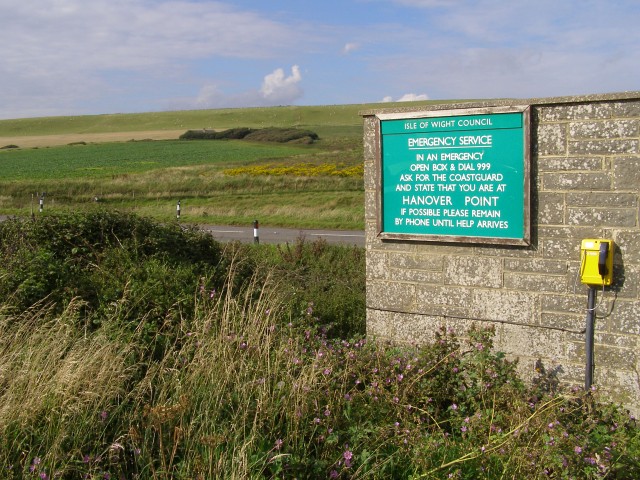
(279, 235)
(283, 235)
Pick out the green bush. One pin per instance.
(107, 260)
(282, 135)
(273, 134)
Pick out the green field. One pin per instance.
(112, 159)
(149, 177)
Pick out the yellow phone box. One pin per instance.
(596, 266)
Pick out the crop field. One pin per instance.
(113, 159)
(129, 162)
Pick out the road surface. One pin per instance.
(279, 235)
(283, 235)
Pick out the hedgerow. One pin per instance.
(272, 134)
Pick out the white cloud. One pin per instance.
(350, 47)
(209, 96)
(74, 54)
(279, 89)
(407, 97)
(413, 97)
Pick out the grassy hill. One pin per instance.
(334, 115)
(231, 182)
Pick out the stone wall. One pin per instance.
(585, 183)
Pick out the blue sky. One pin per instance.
(74, 57)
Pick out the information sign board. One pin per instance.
(456, 175)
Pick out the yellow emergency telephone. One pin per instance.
(596, 267)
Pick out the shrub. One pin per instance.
(108, 260)
(282, 135)
(278, 135)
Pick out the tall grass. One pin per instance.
(240, 378)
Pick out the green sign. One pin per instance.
(456, 177)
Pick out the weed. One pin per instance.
(241, 381)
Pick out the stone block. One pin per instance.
(552, 139)
(574, 231)
(376, 265)
(370, 178)
(574, 112)
(626, 173)
(576, 181)
(442, 295)
(576, 304)
(530, 342)
(390, 296)
(601, 199)
(628, 241)
(530, 251)
(563, 321)
(536, 282)
(603, 217)
(502, 305)
(550, 209)
(606, 356)
(418, 329)
(619, 386)
(416, 262)
(625, 280)
(536, 265)
(625, 318)
(561, 248)
(621, 341)
(546, 164)
(473, 270)
(381, 325)
(618, 128)
(604, 147)
(626, 109)
(415, 276)
(370, 205)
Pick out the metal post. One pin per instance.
(41, 203)
(256, 239)
(591, 315)
(178, 210)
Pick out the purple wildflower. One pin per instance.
(347, 455)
